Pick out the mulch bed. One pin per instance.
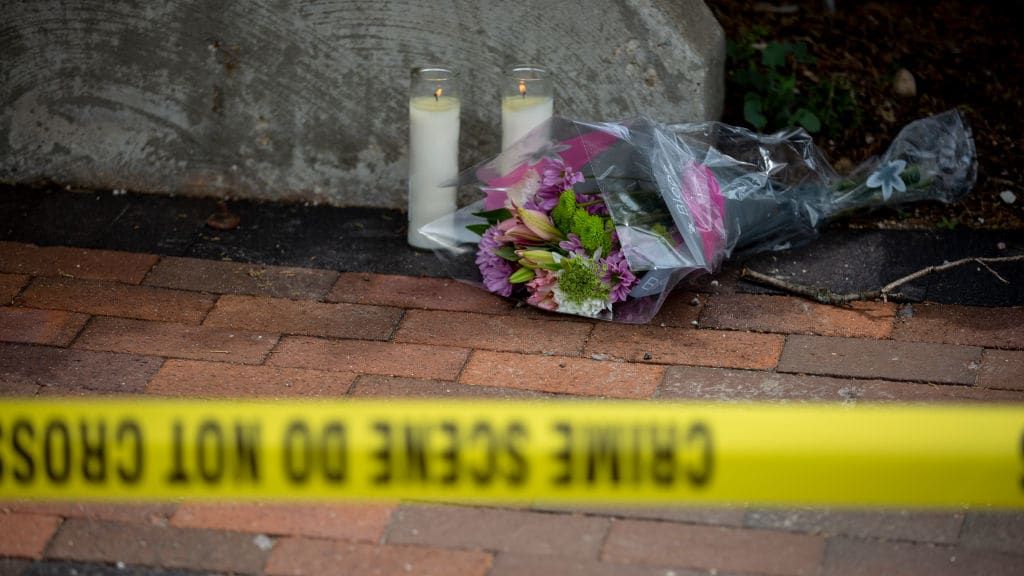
(962, 54)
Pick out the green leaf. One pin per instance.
(801, 54)
(758, 81)
(787, 85)
(752, 112)
(521, 276)
(494, 216)
(807, 119)
(478, 229)
(774, 55)
(508, 253)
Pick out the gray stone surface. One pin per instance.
(294, 99)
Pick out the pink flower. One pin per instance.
(542, 289)
(706, 205)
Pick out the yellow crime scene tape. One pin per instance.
(514, 452)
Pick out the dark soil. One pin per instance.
(962, 54)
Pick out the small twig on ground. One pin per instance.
(826, 296)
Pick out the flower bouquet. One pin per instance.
(603, 220)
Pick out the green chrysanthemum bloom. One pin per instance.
(580, 280)
(594, 231)
(564, 210)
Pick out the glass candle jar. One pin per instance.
(527, 102)
(434, 109)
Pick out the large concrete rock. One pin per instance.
(295, 99)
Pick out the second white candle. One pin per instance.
(526, 103)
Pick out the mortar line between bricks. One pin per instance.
(465, 363)
(21, 291)
(113, 316)
(586, 340)
(385, 534)
(216, 301)
(159, 259)
(604, 537)
(322, 297)
(881, 378)
(397, 325)
(78, 334)
(267, 354)
(50, 543)
(145, 387)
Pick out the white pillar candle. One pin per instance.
(526, 103)
(433, 153)
(521, 114)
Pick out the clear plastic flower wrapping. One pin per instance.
(685, 197)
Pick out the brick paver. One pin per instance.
(30, 326)
(488, 332)
(196, 378)
(91, 322)
(239, 278)
(790, 315)
(713, 548)
(721, 516)
(10, 285)
(938, 527)
(166, 547)
(410, 292)
(914, 361)
(1002, 369)
(531, 565)
(849, 557)
(720, 385)
(306, 557)
(412, 360)
(964, 325)
(63, 261)
(64, 369)
(176, 340)
(25, 535)
(116, 299)
(304, 317)
(685, 346)
(577, 376)
(391, 387)
(321, 520)
(996, 530)
(679, 309)
(565, 535)
(156, 514)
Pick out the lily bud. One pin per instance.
(520, 276)
(537, 256)
(540, 224)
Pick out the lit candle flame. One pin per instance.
(522, 88)
(438, 92)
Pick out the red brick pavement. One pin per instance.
(76, 321)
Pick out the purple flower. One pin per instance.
(560, 176)
(557, 177)
(617, 273)
(572, 244)
(494, 269)
(598, 207)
